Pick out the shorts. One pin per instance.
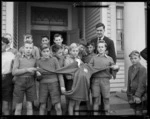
(24, 85)
(50, 88)
(100, 86)
(7, 87)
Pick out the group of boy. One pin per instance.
(24, 67)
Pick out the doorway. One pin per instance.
(63, 33)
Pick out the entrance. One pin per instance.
(63, 33)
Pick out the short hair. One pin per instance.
(102, 42)
(27, 36)
(5, 40)
(45, 37)
(44, 47)
(28, 42)
(99, 25)
(57, 35)
(56, 48)
(135, 53)
(73, 45)
(90, 43)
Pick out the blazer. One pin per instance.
(136, 81)
(110, 47)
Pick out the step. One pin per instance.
(116, 89)
(124, 112)
(117, 80)
(120, 72)
(117, 85)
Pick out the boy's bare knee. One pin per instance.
(42, 106)
(58, 106)
(18, 109)
(5, 106)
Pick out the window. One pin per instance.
(119, 28)
(49, 16)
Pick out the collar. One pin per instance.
(137, 65)
(102, 38)
(98, 55)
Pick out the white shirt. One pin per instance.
(7, 59)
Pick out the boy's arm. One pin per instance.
(15, 70)
(142, 82)
(129, 94)
(60, 76)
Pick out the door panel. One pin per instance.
(73, 36)
(37, 36)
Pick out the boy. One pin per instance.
(73, 55)
(45, 41)
(24, 70)
(90, 50)
(7, 86)
(136, 82)
(35, 51)
(15, 52)
(9, 48)
(58, 40)
(100, 80)
(49, 82)
(58, 53)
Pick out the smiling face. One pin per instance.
(45, 40)
(101, 48)
(28, 49)
(100, 31)
(58, 40)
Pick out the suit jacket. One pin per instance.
(136, 81)
(110, 47)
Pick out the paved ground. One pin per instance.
(118, 105)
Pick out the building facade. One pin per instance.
(125, 24)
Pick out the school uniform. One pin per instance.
(7, 85)
(24, 83)
(136, 83)
(100, 80)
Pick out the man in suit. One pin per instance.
(100, 30)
